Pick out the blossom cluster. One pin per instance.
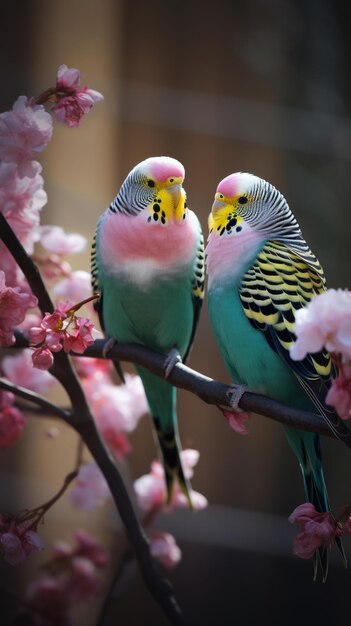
(117, 409)
(18, 539)
(326, 323)
(317, 529)
(70, 576)
(25, 131)
(60, 329)
(150, 491)
(91, 490)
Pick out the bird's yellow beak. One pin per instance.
(219, 212)
(173, 198)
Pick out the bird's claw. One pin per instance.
(234, 395)
(173, 357)
(108, 346)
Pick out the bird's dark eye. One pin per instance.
(151, 183)
(242, 200)
(171, 180)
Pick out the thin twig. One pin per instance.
(35, 398)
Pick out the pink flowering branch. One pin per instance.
(207, 389)
(81, 419)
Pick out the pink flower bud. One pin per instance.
(42, 358)
(36, 334)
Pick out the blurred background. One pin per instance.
(260, 86)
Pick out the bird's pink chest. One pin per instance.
(228, 256)
(134, 242)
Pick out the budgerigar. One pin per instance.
(260, 271)
(148, 266)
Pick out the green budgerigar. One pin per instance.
(148, 267)
(260, 271)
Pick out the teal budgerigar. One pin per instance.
(260, 271)
(148, 267)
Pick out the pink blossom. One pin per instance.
(151, 489)
(12, 420)
(17, 540)
(52, 432)
(163, 547)
(94, 371)
(116, 408)
(90, 489)
(55, 239)
(117, 442)
(21, 200)
(316, 529)
(42, 358)
(67, 79)
(237, 420)
(90, 548)
(52, 265)
(31, 319)
(54, 321)
(84, 581)
(9, 266)
(47, 600)
(24, 133)
(73, 101)
(14, 304)
(20, 371)
(36, 334)
(71, 109)
(325, 321)
(339, 394)
(77, 286)
(53, 340)
(80, 336)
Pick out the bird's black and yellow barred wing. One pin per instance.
(280, 282)
(198, 287)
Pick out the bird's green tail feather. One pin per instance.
(308, 451)
(161, 398)
(170, 447)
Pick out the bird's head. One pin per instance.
(156, 187)
(244, 201)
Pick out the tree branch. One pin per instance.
(214, 392)
(207, 389)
